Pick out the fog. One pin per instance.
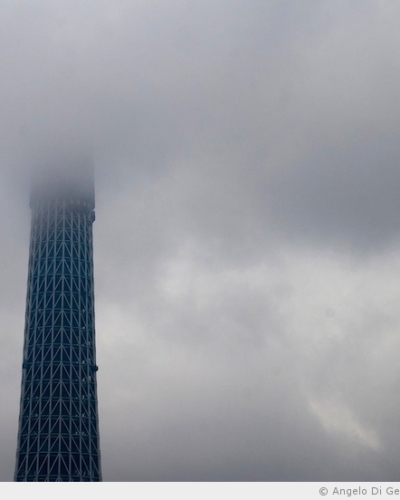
(247, 231)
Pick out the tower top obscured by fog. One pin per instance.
(70, 177)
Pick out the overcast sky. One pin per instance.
(247, 234)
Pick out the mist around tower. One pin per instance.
(246, 240)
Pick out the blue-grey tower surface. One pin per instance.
(58, 435)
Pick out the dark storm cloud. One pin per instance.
(245, 242)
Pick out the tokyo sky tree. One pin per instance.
(58, 436)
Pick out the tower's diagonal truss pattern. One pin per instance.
(58, 429)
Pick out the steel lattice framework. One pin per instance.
(58, 438)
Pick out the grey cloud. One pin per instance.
(246, 184)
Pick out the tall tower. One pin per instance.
(58, 437)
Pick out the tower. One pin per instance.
(58, 437)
